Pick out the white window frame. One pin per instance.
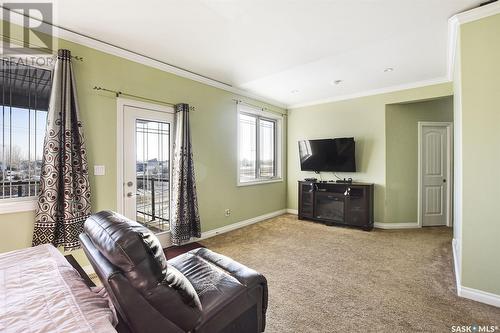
(246, 109)
(24, 204)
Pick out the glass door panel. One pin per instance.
(145, 177)
(153, 174)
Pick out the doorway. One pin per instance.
(144, 156)
(435, 173)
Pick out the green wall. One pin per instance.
(363, 118)
(480, 96)
(213, 125)
(401, 128)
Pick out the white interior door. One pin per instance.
(146, 166)
(435, 159)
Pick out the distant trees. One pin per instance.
(11, 157)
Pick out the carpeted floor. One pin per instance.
(330, 279)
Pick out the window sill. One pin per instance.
(8, 206)
(258, 182)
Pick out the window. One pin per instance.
(24, 99)
(259, 142)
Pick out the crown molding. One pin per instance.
(453, 32)
(373, 92)
(151, 62)
(453, 29)
(109, 48)
(453, 38)
(478, 13)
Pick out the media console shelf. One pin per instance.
(347, 204)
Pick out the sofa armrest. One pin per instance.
(246, 276)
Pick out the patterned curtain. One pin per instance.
(185, 219)
(64, 199)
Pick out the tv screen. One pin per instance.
(327, 155)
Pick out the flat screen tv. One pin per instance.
(336, 155)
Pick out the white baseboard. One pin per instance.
(479, 296)
(379, 225)
(471, 293)
(241, 224)
(405, 225)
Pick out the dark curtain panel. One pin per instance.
(64, 199)
(185, 219)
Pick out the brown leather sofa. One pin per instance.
(199, 291)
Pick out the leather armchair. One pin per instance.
(199, 291)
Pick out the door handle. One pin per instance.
(130, 194)
(444, 180)
(347, 191)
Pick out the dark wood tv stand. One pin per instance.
(344, 204)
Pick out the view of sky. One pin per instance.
(152, 140)
(247, 140)
(23, 129)
(248, 146)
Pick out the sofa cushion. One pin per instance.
(212, 284)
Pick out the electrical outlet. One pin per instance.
(227, 212)
(99, 170)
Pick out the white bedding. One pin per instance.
(41, 292)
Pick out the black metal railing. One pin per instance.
(149, 185)
(142, 184)
(18, 188)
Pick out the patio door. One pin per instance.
(146, 165)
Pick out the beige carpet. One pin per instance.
(331, 279)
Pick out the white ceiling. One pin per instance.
(288, 51)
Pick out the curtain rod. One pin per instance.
(46, 50)
(263, 108)
(122, 93)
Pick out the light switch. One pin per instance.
(99, 170)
